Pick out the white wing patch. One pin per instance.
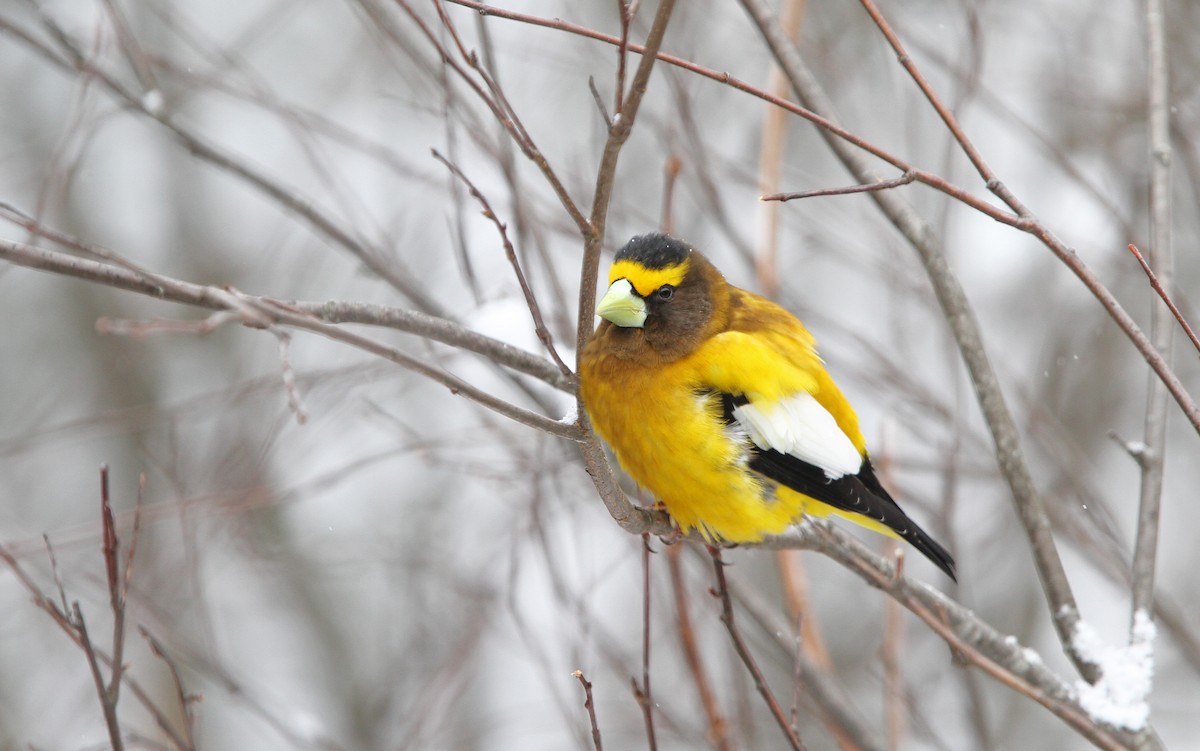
(800, 426)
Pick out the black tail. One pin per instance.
(882, 507)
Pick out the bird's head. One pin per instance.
(661, 289)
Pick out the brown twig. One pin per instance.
(1156, 284)
(671, 170)
(904, 179)
(491, 95)
(645, 698)
(185, 699)
(718, 727)
(743, 651)
(834, 705)
(64, 618)
(590, 706)
(117, 590)
(923, 176)
(535, 311)
(625, 14)
(599, 100)
(893, 677)
(107, 703)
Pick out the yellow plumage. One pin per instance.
(698, 376)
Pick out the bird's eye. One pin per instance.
(664, 293)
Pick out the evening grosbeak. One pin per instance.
(714, 399)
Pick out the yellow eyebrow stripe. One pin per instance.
(645, 280)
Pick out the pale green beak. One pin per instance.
(622, 305)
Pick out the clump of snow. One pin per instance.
(1119, 697)
(1031, 656)
(572, 415)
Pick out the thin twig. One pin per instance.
(760, 682)
(590, 706)
(1166, 297)
(618, 134)
(64, 619)
(645, 698)
(185, 700)
(671, 170)
(491, 96)
(718, 727)
(625, 13)
(289, 376)
(535, 311)
(599, 100)
(111, 547)
(107, 703)
(908, 177)
(893, 677)
(828, 695)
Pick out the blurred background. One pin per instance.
(403, 569)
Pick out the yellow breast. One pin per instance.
(671, 438)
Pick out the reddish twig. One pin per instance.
(625, 12)
(185, 699)
(116, 589)
(760, 682)
(893, 677)
(908, 177)
(1164, 295)
(539, 323)
(671, 170)
(718, 727)
(590, 706)
(491, 95)
(644, 697)
(107, 703)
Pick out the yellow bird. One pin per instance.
(714, 399)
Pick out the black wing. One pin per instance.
(860, 494)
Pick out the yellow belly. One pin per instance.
(673, 442)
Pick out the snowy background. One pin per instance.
(408, 570)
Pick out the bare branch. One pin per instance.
(1000, 656)
(176, 290)
(644, 696)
